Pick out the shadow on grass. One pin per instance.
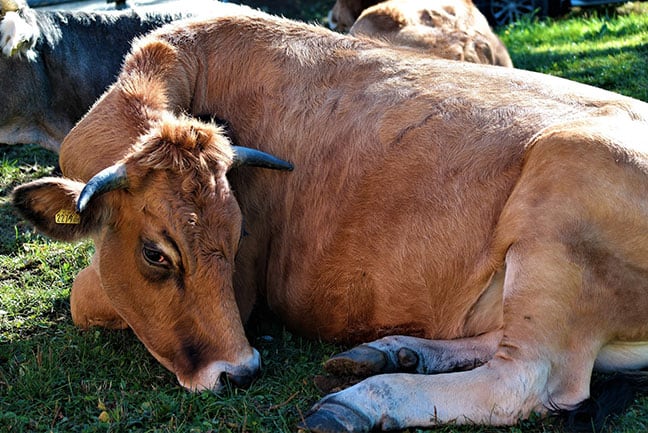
(622, 70)
(19, 164)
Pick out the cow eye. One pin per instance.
(155, 256)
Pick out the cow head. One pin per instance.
(167, 228)
(19, 31)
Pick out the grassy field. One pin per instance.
(54, 377)
(604, 51)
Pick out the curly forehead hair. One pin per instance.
(182, 143)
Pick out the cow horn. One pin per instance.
(108, 179)
(9, 6)
(256, 158)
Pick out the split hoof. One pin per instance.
(364, 361)
(361, 361)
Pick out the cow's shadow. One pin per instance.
(19, 164)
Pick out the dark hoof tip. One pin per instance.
(334, 418)
(321, 422)
(360, 361)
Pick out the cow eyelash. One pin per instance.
(155, 257)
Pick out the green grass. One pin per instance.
(607, 51)
(54, 377)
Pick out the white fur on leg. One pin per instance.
(498, 393)
(17, 36)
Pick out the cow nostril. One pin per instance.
(237, 380)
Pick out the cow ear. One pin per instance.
(50, 205)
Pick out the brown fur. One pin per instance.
(442, 197)
(449, 29)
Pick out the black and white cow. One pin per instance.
(54, 64)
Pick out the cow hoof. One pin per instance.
(360, 361)
(335, 418)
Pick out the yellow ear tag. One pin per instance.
(65, 216)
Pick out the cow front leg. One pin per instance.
(89, 304)
(400, 353)
(498, 393)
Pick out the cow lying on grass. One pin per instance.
(501, 215)
(54, 65)
(450, 29)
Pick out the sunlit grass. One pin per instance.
(607, 51)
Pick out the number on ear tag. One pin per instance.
(65, 216)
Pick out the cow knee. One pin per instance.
(89, 304)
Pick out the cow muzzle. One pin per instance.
(216, 375)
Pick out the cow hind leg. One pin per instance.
(583, 192)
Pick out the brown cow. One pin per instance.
(450, 29)
(501, 214)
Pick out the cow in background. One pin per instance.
(498, 213)
(344, 13)
(55, 64)
(450, 29)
